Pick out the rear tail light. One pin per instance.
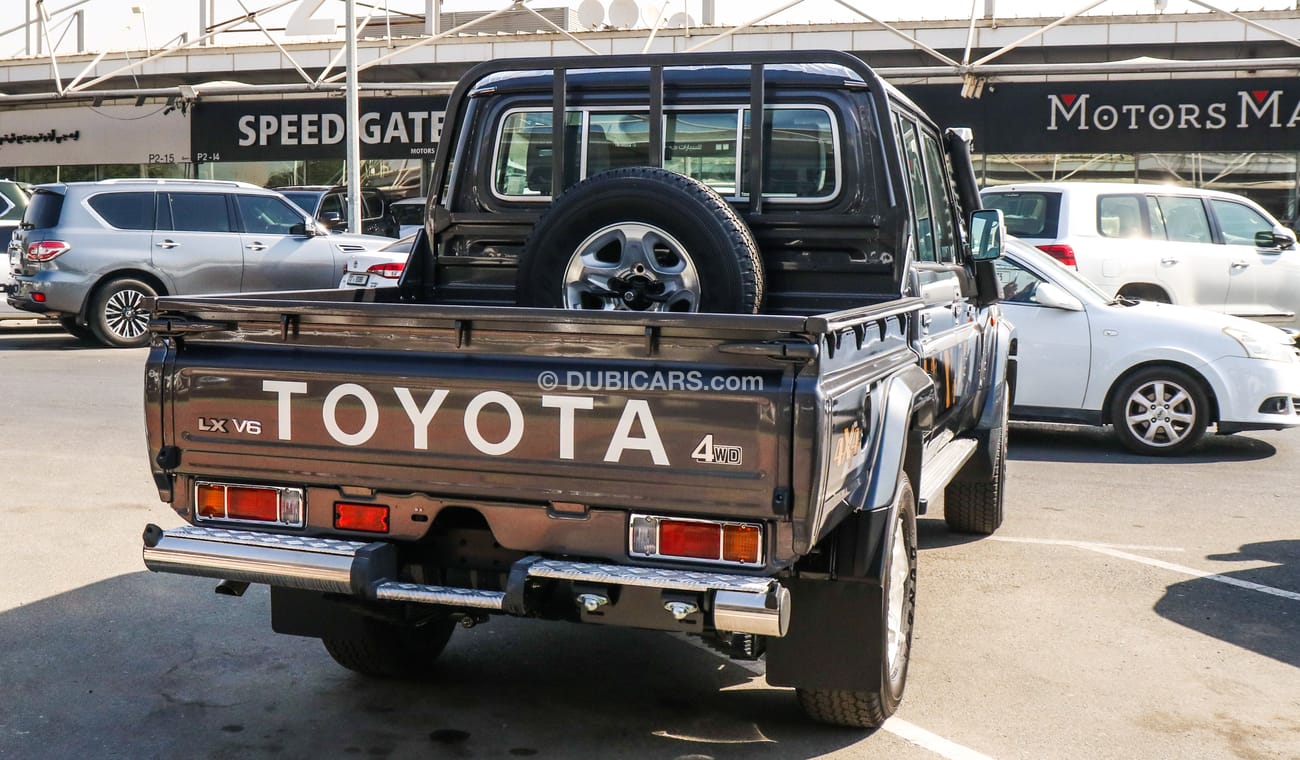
(391, 271)
(1062, 253)
(698, 540)
(370, 518)
(45, 250)
(244, 503)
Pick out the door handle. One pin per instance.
(256, 247)
(1240, 264)
(926, 318)
(1169, 261)
(168, 244)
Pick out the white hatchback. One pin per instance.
(1160, 374)
(1162, 243)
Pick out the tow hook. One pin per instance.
(471, 619)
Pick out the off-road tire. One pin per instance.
(976, 505)
(389, 650)
(871, 708)
(719, 243)
(114, 317)
(1196, 403)
(78, 330)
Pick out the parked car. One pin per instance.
(378, 269)
(1163, 243)
(409, 213)
(13, 202)
(328, 204)
(1160, 374)
(89, 253)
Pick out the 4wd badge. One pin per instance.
(707, 452)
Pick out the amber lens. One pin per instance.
(210, 501)
(740, 543)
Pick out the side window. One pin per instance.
(699, 144)
(125, 211)
(617, 140)
(265, 215)
(1185, 220)
(372, 204)
(1239, 222)
(801, 155)
(1120, 216)
(522, 163)
(199, 212)
(1017, 283)
(937, 176)
(925, 248)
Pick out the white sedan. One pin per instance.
(1160, 374)
(378, 269)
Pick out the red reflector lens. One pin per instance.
(252, 503)
(689, 539)
(1062, 253)
(371, 518)
(46, 250)
(740, 543)
(390, 271)
(38, 297)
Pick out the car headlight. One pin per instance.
(1259, 348)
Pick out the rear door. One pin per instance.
(1190, 264)
(274, 257)
(948, 337)
(195, 243)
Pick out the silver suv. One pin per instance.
(88, 253)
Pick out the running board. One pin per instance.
(938, 470)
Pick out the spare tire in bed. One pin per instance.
(641, 239)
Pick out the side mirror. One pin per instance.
(1280, 238)
(331, 219)
(301, 230)
(987, 239)
(1054, 296)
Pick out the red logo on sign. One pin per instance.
(1069, 99)
(1259, 95)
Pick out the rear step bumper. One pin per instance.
(737, 603)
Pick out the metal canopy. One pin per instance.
(973, 74)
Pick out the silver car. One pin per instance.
(88, 253)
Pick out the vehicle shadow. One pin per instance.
(42, 338)
(1042, 442)
(933, 533)
(145, 665)
(1264, 619)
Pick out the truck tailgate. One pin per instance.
(675, 413)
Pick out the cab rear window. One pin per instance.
(1029, 215)
(706, 144)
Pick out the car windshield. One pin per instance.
(1031, 215)
(1028, 254)
(43, 211)
(304, 199)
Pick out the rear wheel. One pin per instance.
(389, 650)
(117, 316)
(871, 707)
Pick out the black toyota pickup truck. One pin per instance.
(686, 344)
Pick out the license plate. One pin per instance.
(358, 279)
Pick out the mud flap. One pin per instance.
(836, 636)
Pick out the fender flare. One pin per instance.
(909, 408)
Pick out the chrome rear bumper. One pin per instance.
(736, 603)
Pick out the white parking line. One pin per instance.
(1115, 550)
(1081, 544)
(909, 732)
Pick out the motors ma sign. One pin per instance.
(1125, 117)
